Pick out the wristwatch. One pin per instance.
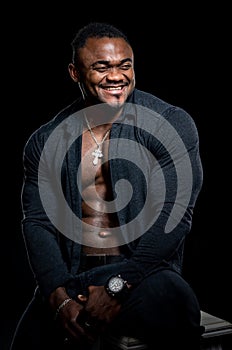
(116, 287)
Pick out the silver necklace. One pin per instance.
(97, 153)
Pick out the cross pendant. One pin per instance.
(97, 154)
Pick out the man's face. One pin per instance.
(106, 70)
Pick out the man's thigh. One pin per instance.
(162, 305)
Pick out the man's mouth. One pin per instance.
(113, 88)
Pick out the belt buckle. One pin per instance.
(100, 258)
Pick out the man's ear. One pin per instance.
(73, 72)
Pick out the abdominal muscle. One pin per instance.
(98, 238)
(96, 195)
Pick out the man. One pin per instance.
(108, 196)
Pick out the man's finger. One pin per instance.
(82, 298)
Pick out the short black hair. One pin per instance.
(94, 30)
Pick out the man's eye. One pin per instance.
(101, 69)
(126, 66)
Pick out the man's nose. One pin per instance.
(114, 73)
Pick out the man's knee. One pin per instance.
(162, 308)
(166, 299)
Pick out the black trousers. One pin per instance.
(162, 311)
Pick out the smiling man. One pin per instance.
(109, 190)
(104, 68)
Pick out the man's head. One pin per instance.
(103, 64)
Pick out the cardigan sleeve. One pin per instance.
(42, 239)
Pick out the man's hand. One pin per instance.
(70, 318)
(100, 308)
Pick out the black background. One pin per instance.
(181, 55)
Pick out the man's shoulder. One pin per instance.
(149, 100)
(61, 116)
(43, 132)
(176, 115)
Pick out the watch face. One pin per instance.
(116, 284)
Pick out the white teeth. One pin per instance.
(113, 88)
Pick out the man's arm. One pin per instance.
(44, 251)
(40, 236)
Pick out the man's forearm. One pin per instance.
(57, 297)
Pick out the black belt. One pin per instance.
(88, 261)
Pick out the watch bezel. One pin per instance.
(119, 293)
